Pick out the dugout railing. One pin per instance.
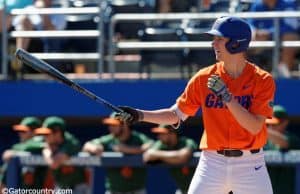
(114, 45)
(115, 159)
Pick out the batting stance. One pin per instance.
(236, 97)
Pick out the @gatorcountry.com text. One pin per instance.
(35, 191)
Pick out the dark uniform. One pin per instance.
(282, 177)
(126, 178)
(65, 176)
(31, 177)
(182, 175)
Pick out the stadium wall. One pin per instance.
(43, 98)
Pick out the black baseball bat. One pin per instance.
(43, 67)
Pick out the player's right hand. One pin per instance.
(218, 87)
(129, 115)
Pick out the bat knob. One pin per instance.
(20, 53)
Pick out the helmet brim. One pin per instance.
(214, 32)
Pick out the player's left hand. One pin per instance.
(129, 115)
(218, 87)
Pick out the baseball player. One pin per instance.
(60, 146)
(31, 177)
(174, 149)
(236, 97)
(121, 138)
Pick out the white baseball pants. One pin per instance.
(218, 174)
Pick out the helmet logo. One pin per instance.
(242, 40)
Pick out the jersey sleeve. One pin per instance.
(96, 141)
(190, 100)
(263, 97)
(191, 144)
(145, 139)
(157, 145)
(71, 145)
(70, 148)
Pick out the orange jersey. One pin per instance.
(254, 89)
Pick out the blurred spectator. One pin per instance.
(264, 29)
(12, 4)
(60, 146)
(126, 179)
(175, 150)
(279, 138)
(14, 67)
(39, 22)
(29, 144)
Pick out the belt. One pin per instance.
(235, 153)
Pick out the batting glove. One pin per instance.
(218, 87)
(129, 115)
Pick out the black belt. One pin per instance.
(235, 153)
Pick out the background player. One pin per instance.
(60, 146)
(236, 97)
(30, 177)
(174, 149)
(281, 138)
(121, 138)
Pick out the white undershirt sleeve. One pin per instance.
(182, 116)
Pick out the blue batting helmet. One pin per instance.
(237, 30)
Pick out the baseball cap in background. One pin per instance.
(111, 120)
(27, 124)
(50, 124)
(163, 129)
(279, 113)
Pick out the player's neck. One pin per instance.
(234, 68)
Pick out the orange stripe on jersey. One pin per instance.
(253, 89)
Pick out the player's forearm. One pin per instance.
(92, 148)
(252, 123)
(162, 116)
(171, 157)
(47, 154)
(278, 138)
